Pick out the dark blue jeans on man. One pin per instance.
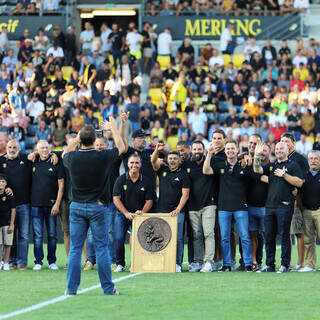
(91, 251)
(41, 215)
(241, 217)
(278, 221)
(83, 216)
(20, 247)
(117, 55)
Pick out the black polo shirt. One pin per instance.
(88, 170)
(171, 184)
(45, 178)
(216, 158)
(146, 166)
(18, 172)
(133, 195)
(280, 191)
(258, 190)
(233, 186)
(311, 191)
(300, 160)
(202, 186)
(6, 204)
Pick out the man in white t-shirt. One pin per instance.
(299, 58)
(105, 32)
(35, 108)
(198, 122)
(165, 43)
(216, 59)
(55, 51)
(303, 146)
(226, 38)
(86, 36)
(251, 47)
(134, 40)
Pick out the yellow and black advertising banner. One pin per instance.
(206, 28)
(16, 24)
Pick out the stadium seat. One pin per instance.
(67, 71)
(30, 142)
(52, 77)
(173, 140)
(226, 58)
(155, 94)
(238, 59)
(163, 61)
(12, 2)
(205, 68)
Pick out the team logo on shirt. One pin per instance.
(4, 199)
(21, 162)
(142, 189)
(222, 171)
(34, 169)
(241, 172)
(125, 187)
(4, 165)
(270, 168)
(188, 170)
(164, 174)
(50, 169)
(176, 179)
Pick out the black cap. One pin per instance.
(139, 133)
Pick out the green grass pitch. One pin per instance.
(236, 295)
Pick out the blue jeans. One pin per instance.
(19, 249)
(180, 245)
(83, 216)
(91, 250)
(116, 54)
(121, 226)
(241, 218)
(40, 215)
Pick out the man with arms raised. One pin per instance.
(88, 170)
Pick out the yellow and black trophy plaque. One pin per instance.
(154, 243)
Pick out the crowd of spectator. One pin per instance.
(224, 7)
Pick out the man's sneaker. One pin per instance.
(233, 265)
(297, 267)
(12, 266)
(283, 269)
(37, 267)
(88, 266)
(216, 265)
(266, 269)
(22, 267)
(207, 267)
(306, 269)
(255, 267)
(195, 267)
(53, 266)
(178, 268)
(241, 268)
(225, 269)
(6, 267)
(113, 266)
(248, 269)
(119, 268)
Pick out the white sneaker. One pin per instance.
(53, 266)
(178, 268)
(119, 268)
(37, 267)
(233, 265)
(297, 267)
(207, 267)
(6, 267)
(306, 269)
(195, 267)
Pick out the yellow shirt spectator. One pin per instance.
(304, 73)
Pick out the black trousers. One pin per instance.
(278, 221)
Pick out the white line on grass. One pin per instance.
(61, 298)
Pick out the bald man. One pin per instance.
(283, 176)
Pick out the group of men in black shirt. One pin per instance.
(211, 188)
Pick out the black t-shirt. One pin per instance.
(117, 42)
(280, 191)
(258, 190)
(18, 172)
(6, 204)
(233, 186)
(133, 195)
(133, 89)
(301, 161)
(146, 44)
(146, 166)
(171, 184)
(45, 178)
(311, 191)
(170, 74)
(202, 186)
(88, 171)
(294, 119)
